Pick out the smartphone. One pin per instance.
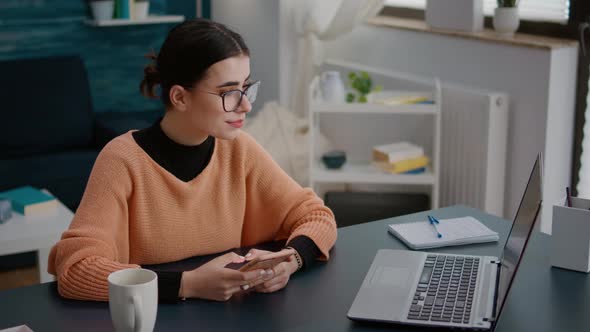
(265, 261)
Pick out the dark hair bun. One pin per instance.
(151, 77)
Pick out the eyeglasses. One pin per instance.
(232, 99)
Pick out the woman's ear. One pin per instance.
(179, 97)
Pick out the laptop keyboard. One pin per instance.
(445, 290)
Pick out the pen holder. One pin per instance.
(570, 235)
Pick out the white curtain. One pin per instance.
(584, 175)
(318, 21)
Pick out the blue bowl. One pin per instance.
(334, 159)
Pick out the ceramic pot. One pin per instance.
(506, 21)
(102, 10)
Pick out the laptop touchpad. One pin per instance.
(387, 288)
(391, 276)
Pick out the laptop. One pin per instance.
(447, 290)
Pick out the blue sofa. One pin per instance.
(49, 134)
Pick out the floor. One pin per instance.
(19, 277)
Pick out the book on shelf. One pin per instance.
(420, 170)
(394, 152)
(28, 200)
(404, 166)
(400, 98)
(124, 9)
(400, 158)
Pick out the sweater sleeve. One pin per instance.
(306, 248)
(96, 242)
(278, 208)
(168, 285)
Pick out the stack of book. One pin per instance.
(400, 97)
(400, 158)
(127, 9)
(28, 200)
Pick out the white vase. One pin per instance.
(332, 87)
(506, 21)
(102, 10)
(141, 9)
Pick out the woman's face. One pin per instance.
(205, 108)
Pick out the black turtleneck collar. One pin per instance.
(183, 161)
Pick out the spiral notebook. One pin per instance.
(455, 232)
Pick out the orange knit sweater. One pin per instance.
(135, 212)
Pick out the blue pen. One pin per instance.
(433, 222)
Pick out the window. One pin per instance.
(532, 10)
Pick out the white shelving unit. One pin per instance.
(155, 19)
(373, 108)
(365, 173)
(358, 169)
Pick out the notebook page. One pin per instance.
(454, 231)
(461, 228)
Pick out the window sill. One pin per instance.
(488, 35)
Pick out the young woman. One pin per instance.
(192, 184)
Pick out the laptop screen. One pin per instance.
(519, 234)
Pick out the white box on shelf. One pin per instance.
(570, 235)
(461, 15)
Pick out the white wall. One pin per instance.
(258, 23)
(540, 83)
(287, 50)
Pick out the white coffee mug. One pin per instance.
(133, 299)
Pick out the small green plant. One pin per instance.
(507, 3)
(360, 82)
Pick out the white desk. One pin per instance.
(35, 233)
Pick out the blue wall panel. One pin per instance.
(113, 55)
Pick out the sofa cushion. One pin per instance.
(63, 174)
(109, 125)
(46, 106)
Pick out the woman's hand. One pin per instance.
(213, 281)
(281, 273)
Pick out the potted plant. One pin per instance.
(506, 17)
(363, 85)
(141, 9)
(101, 9)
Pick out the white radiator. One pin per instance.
(473, 148)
